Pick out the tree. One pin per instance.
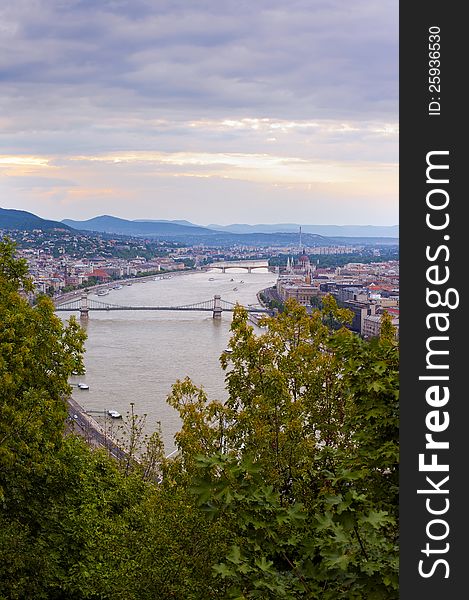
(143, 453)
(334, 316)
(38, 353)
(314, 409)
(316, 302)
(387, 329)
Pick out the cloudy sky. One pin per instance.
(215, 111)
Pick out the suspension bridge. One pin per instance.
(215, 305)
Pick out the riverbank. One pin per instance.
(80, 423)
(256, 318)
(259, 297)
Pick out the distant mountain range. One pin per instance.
(327, 230)
(26, 221)
(109, 224)
(262, 234)
(188, 232)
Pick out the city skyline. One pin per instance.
(221, 112)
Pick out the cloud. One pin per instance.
(23, 161)
(310, 81)
(306, 59)
(267, 168)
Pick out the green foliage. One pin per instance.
(37, 355)
(266, 532)
(387, 331)
(334, 316)
(275, 304)
(202, 428)
(316, 302)
(311, 426)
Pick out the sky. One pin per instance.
(214, 111)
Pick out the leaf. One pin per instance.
(235, 555)
(335, 559)
(376, 386)
(324, 521)
(376, 518)
(223, 570)
(264, 564)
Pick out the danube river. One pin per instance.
(137, 356)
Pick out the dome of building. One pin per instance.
(304, 259)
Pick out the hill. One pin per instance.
(25, 221)
(110, 224)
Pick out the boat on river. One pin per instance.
(83, 386)
(114, 414)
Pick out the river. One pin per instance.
(137, 356)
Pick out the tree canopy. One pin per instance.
(301, 462)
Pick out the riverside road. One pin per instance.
(85, 426)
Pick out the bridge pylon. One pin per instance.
(217, 309)
(84, 314)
